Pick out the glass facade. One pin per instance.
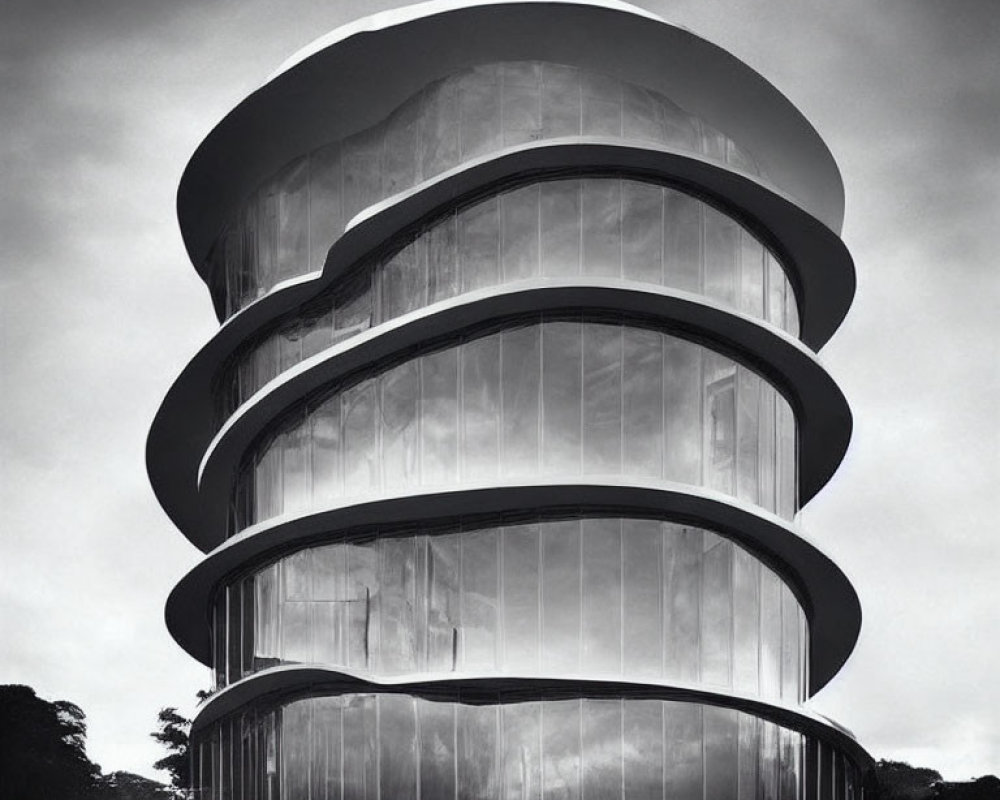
(599, 598)
(596, 227)
(286, 227)
(429, 623)
(357, 746)
(558, 398)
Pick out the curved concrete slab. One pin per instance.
(371, 68)
(824, 418)
(819, 263)
(825, 593)
(285, 684)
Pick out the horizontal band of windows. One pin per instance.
(549, 398)
(285, 228)
(269, 128)
(609, 227)
(570, 705)
(829, 602)
(594, 596)
(811, 244)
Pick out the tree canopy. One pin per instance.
(43, 747)
(172, 732)
(43, 754)
(897, 780)
(129, 786)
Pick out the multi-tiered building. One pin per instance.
(496, 456)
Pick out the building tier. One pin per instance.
(497, 454)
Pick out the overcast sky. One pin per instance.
(103, 101)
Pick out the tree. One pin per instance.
(172, 732)
(985, 788)
(897, 780)
(128, 786)
(43, 751)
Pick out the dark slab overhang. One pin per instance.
(285, 684)
(184, 427)
(825, 593)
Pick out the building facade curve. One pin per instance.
(497, 455)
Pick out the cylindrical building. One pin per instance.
(496, 456)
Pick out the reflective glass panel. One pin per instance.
(602, 597)
(646, 233)
(394, 745)
(590, 406)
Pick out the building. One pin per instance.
(496, 456)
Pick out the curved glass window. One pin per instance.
(395, 746)
(557, 398)
(595, 227)
(286, 227)
(600, 598)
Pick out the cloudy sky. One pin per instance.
(103, 101)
